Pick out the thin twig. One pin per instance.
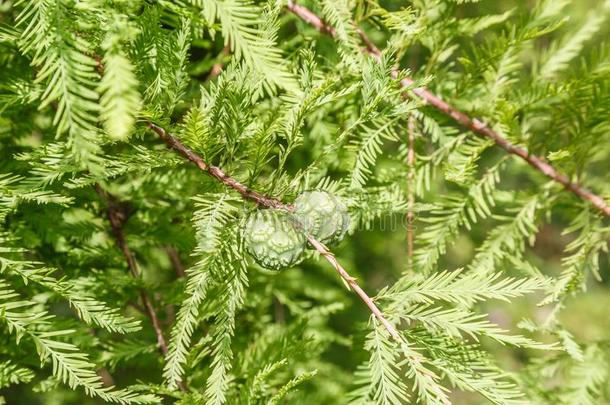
(280, 316)
(410, 191)
(215, 171)
(352, 283)
(103, 372)
(461, 118)
(117, 215)
(217, 67)
(106, 377)
(174, 258)
(270, 202)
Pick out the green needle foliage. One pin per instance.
(124, 275)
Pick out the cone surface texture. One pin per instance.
(273, 239)
(322, 215)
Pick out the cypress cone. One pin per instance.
(322, 215)
(273, 239)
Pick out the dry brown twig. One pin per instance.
(174, 258)
(117, 216)
(269, 202)
(461, 118)
(328, 255)
(219, 65)
(215, 171)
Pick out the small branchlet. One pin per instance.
(270, 202)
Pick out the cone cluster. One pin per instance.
(276, 239)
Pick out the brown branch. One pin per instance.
(270, 202)
(410, 185)
(216, 172)
(280, 316)
(174, 258)
(310, 18)
(461, 118)
(106, 377)
(103, 372)
(217, 67)
(117, 215)
(352, 283)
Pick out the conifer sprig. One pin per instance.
(270, 202)
(473, 124)
(70, 365)
(271, 107)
